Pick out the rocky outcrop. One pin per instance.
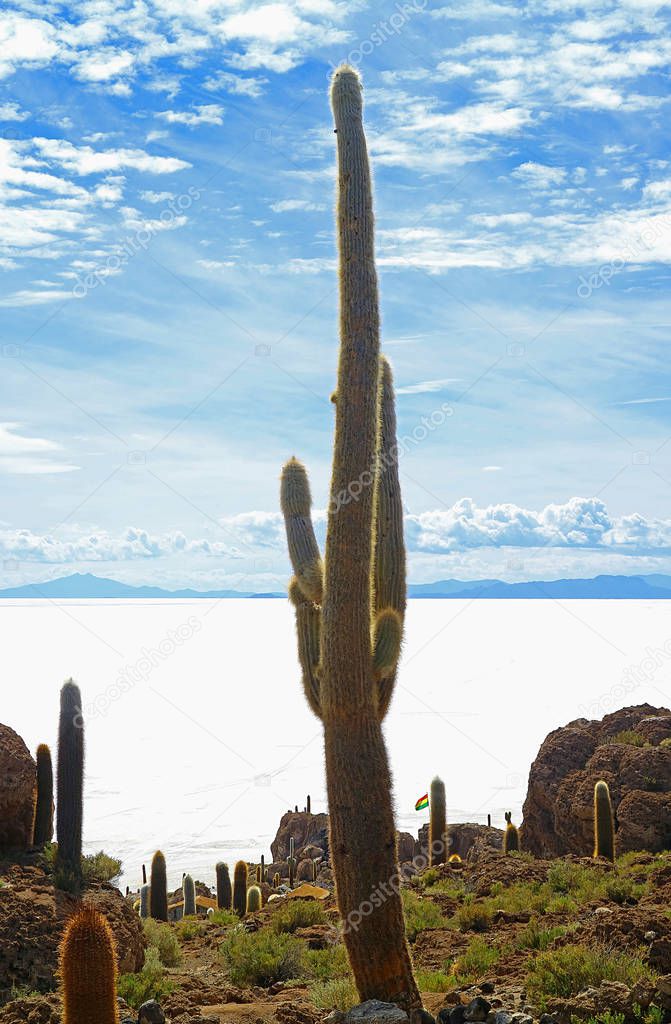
(306, 830)
(18, 786)
(626, 749)
(32, 919)
(464, 839)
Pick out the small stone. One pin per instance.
(150, 1013)
(602, 912)
(503, 1017)
(650, 936)
(458, 1014)
(487, 987)
(422, 1016)
(477, 1010)
(374, 1011)
(334, 1017)
(443, 1016)
(547, 1018)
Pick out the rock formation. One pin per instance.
(623, 749)
(18, 788)
(462, 839)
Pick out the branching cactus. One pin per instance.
(349, 608)
(437, 823)
(240, 888)
(189, 896)
(604, 823)
(43, 830)
(159, 888)
(70, 788)
(89, 970)
(511, 836)
(224, 890)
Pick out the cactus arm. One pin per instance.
(308, 633)
(389, 582)
(296, 504)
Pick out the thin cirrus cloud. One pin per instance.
(30, 456)
(424, 387)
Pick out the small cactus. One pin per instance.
(240, 888)
(88, 963)
(277, 881)
(511, 836)
(189, 895)
(70, 787)
(604, 824)
(144, 901)
(43, 829)
(438, 841)
(308, 805)
(315, 870)
(254, 900)
(263, 868)
(159, 888)
(224, 890)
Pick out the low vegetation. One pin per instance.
(149, 983)
(566, 971)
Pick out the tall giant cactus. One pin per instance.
(43, 828)
(349, 611)
(70, 788)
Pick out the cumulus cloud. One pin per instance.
(206, 113)
(102, 546)
(84, 160)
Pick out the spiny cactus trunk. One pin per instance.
(224, 889)
(43, 830)
(604, 824)
(70, 787)
(240, 888)
(89, 970)
(189, 894)
(159, 888)
(438, 840)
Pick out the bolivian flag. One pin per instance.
(422, 803)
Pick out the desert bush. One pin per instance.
(328, 964)
(191, 927)
(420, 914)
(161, 937)
(474, 917)
(622, 890)
(565, 972)
(99, 867)
(476, 960)
(339, 994)
(535, 936)
(435, 981)
(263, 957)
(149, 983)
(297, 914)
(629, 738)
(223, 918)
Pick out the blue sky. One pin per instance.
(169, 305)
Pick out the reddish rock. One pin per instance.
(18, 788)
(463, 839)
(306, 830)
(558, 810)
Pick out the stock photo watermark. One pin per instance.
(382, 32)
(137, 242)
(149, 660)
(607, 271)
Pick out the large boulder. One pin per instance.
(463, 838)
(18, 787)
(626, 749)
(306, 830)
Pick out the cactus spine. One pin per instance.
(511, 836)
(224, 890)
(43, 829)
(189, 895)
(70, 787)
(604, 823)
(349, 611)
(438, 840)
(254, 900)
(89, 969)
(159, 888)
(240, 888)
(145, 900)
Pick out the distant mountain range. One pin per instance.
(85, 586)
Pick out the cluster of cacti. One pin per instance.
(291, 863)
(88, 965)
(604, 822)
(240, 888)
(70, 787)
(254, 900)
(145, 899)
(189, 896)
(349, 609)
(159, 888)
(43, 827)
(511, 836)
(224, 890)
(438, 841)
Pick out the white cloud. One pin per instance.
(236, 84)
(34, 297)
(83, 160)
(427, 386)
(12, 112)
(539, 176)
(23, 455)
(288, 205)
(208, 113)
(103, 546)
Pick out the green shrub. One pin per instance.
(150, 983)
(435, 981)
(666, 742)
(535, 936)
(191, 927)
(161, 937)
(223, 918)
(430, 877)
(476, 960)
(629, 738)
(263, 957)
(328, 964)
(99, 867)
(339, 994)
(565, 972)
(561, 904)
(297, 914)
(474, 917)
(623, 890)
(420, 914)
